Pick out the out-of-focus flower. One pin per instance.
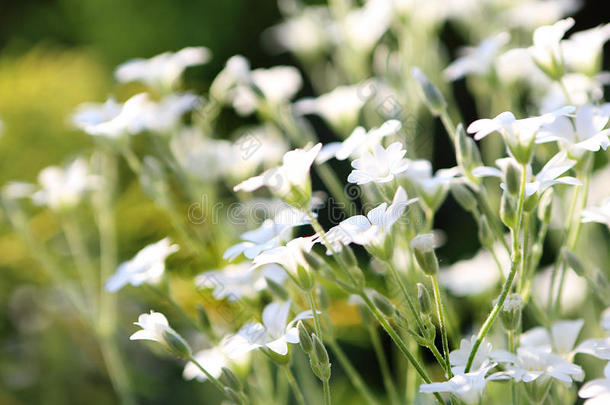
(476, 60)
(274, 333)
(162, 70)
(599, 214)
(290, 181)
(582, 51)
(201, 157)
(156, 328)
(587, 132)
(304, 34)
(530, 14)
(467, 387)
(363, 27)
(482, 360)
(63, 188)
(91, 114)
(289, 256)
(582, 89)
(539, 365)
(475, 275)
(239, 280)
(547, 49)
(166, 113)
(340, 108)
(380, 166)
(574, 288)
(212, 360)
(113, 122)
(147, 266)
(235, 72)
(597, 392)
(359, 142)
(372, 228)
(432, 188)
(276, 85)
(605, 321)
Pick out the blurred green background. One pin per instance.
(55, 54)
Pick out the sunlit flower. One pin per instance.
(380, 166)
(212, 360)
(547, 49)
(372, 228)
(538, 364)
(482, 360)
(582, 51)
(165, 114)
(530, 14)
(290, 181)
(467, 387)
(289, 256)
(581, 88)
(113, 122)
(156, 328)
(605, 321)
(63, 188)
(274, 333)
(146, 267)
(340, 107)
(239, 280)
(597, 392)
(91, 114)
(236, 72)
(432, 188)
(304, 34)
(599, 214)
(587, 132)
(162, 70)
(359, 142)
(362, 27)
(476, 60)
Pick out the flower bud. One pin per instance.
(508, 211)
(432, 96)
(574, 262)
(304, 338)
(348, 256)
(423, 248)
(521, 150)
(315, 261)
(277, 289)
(510, 314)
(486, 235)
(545, 206)
(304, 278)
(233, 396)
(230, 380)
(512, 177)
(467, 153)
(320, 350)
(423, 297)
(383, 304)
(462, 194)
(323, 298)
(176, 344)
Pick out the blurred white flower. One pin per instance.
(63, 188)
(574, 288)
(363, 27)
(372, 228)
(599, 214)
(113, 122)
(274, 333)
(605, 319)
(339, 108)
(597, 392)
(582, 51)
(587, 132)
(289, 256)
(165, 114)
(91, 114)
(290, 181)
(156, 328)
(162, 70)
(380, 166)
(432, 188)
(359, 142)
(212, 360)
(304, 34)
(146, 267)
(200, 157)
(475, 275)
(530, 14)
(539, 365)
(517, 64)
(582, 89)
(239, 280)
(547, 49)
(476, 60)
(484, 357)
(235, 72)
(467, 387)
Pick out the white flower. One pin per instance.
(147, 266)
(517, 64)
(212, 360)
(587, 132)
(239, 280)
(156, 328)
(583, 49)
(290, 256)
(290, 181)
(359, 142)
(547, 177)
(484, 357)
(599, 214)
(380, 166)
(372, 228)
(606, 319)
(475, 275)
(468, 387)
(166, 113)
(115, 123)
(582, 89)
(432, 188)
(236, 72)
(340, 107)
(574, 288)
(476, 60)
(274, 333)
(363, 27)
(530, 14)
(304, 34)
(162, 70)
(546, 51)
(538, 364)
(91, 114)
(597, 391)
(63, 188)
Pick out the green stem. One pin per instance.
(210, 377)
(295, 387)
(116, 370)
(515, 259)
(316, 318)
(440, 311)
(326, 387)
(406, 295)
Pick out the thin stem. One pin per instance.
(511, 276)
(316, 317)
(116, 370)
(511, 347)
(406, 295)
(384, 366)
(448, 124)
(440, 311)
(295, 387)
(210, 377)
(326, 387)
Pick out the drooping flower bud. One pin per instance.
(508, 211)
(510, 314)
(320, 350)
(383, 304)
(233, 396)
(277, 289)
(545, 206)
(304, 338)
(423, 297)
(423, 248)
(304, 278)
(431, 94)
(512, 177)
(348, 256)
(230, 380)
(462, 194)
